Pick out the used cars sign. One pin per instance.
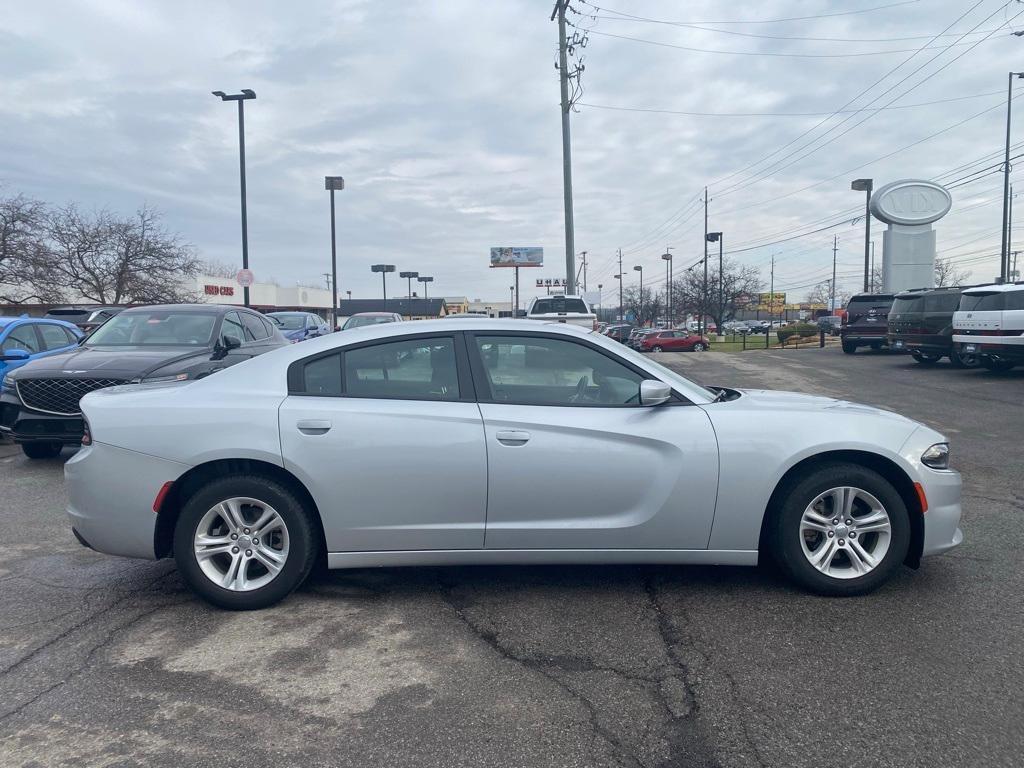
(911, 202)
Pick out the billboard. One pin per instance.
(517, 257)
(776, 299)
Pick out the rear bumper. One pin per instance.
(861, 336)
(27, 426)
(999, 347)
(927, 344)
(110, 498)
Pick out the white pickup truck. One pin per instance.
(562, 309)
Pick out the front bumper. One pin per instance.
(110, 498)
(26, 425)
(942, 520)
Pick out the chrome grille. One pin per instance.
(59, 396)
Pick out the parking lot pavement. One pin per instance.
(112, 662)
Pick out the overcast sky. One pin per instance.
(443, 118)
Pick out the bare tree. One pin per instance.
(217, 269)
(111, 260)
(822, 294)
(646, 306)
(738, 283)
(23, 273)
(946, 274)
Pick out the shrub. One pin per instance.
(802, 330)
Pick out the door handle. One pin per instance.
(313, 426)
(512, 436)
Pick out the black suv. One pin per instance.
(174, 342)
(921, 323)
(865, 321)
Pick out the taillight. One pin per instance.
(86, 433)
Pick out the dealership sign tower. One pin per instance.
(909, 207)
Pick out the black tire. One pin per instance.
(783, 529)
(42, 449)
(699, 347)
(849, 347)
(656, 349)
(963, 361)
(996, 365)
(303, 535)
(925, 359)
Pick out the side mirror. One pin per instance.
(654, 392)
(231, 342)
(15, 356)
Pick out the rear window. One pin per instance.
(947, 301)
(906, 304)
(982, 302)
(560, 305)
(1014, 300)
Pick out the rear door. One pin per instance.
(575, 462)
(387, 437)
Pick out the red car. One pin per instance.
(674, 341)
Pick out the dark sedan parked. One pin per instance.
(39, 401)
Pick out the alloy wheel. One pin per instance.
(845, 532)
(241, 544)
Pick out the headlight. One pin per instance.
(936, 457)
(172, 377)
(7, 385)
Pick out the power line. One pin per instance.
(775, 21)
(780, 114)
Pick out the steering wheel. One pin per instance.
(581, 390)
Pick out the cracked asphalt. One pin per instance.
(110, 662)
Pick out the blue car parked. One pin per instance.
(299, 326)
(29, 338)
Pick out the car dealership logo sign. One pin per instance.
(911, 202)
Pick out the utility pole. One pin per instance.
(583, 255)
(872, 266)
(620, 285)
(771, 297)
(835, 247)
(704, 292)
(563, 76)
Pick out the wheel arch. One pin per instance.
(196, 477)
(884, 466)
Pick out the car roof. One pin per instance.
(7, 321)
(197, 308)
(995, 288)
(374, 314)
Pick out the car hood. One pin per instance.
(110, 362)
(798, 401)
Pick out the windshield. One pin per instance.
(155, 328)
(290, 321)
(358, 322)
(559, 304)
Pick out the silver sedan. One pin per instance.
(498, 441)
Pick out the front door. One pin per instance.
(389, 441)
(575, 462)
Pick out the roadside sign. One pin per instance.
(517, 257)
(245, 278)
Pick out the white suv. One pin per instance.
(990, 324)
(562, 309)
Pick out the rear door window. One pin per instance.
(1014, 300)
(417, 369)
(54, 337)
(982, 302)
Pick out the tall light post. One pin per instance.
(640, 269)
(718, 237)
(1004, 254)
(241, 98)
(409, 277)
(384, 269)
(667, 256)
(619, 278)
(424, 280)
(599, 287)
(865, 185)
(334, 183)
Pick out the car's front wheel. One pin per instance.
(656, 349)
(244, 542)
(698, 347)
(42, 449)
(841, 530)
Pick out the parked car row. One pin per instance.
(975, 326)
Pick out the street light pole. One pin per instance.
(718, 237)
(865, 185)
(1004, 253)
(424, 280)
(241, 98)
(640, 269)
(667, 256)
(332, 183)
(384, 269)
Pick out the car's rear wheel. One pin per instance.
(925, 358)
(849, 347)
(698, 347)
(841, 530)
(656, 349)
(996, 365)
(244, 542)
(49, 449)
(966, 360)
